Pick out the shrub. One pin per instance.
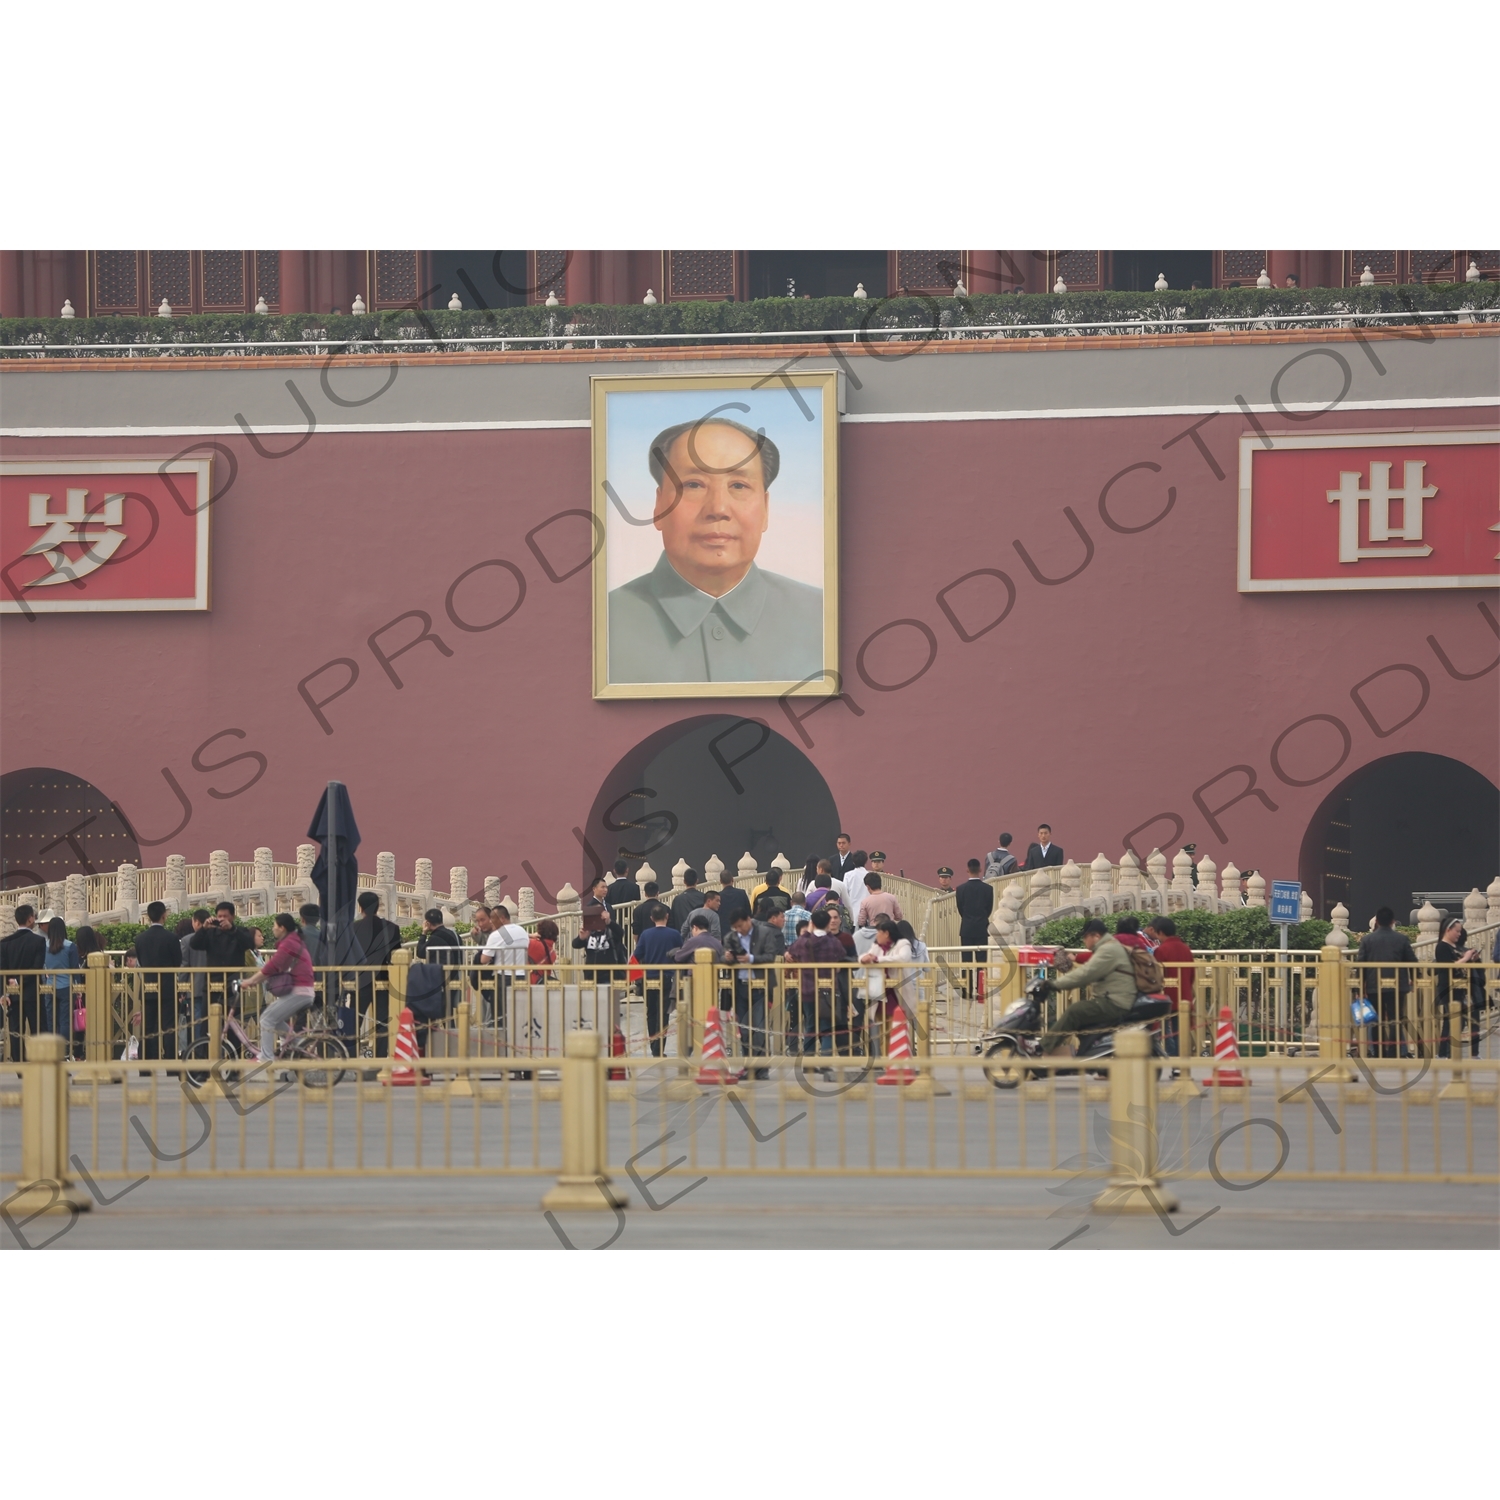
(935, 316)
(1244, 927)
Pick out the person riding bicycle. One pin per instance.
(1111, 974)
(288, 976)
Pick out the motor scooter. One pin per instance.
(1008, 1046)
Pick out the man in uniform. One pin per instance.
(945, 878)
(706, 612)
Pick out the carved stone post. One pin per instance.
(1229, 887)
(75, 900)
(713, 872)
(127, 893)
(176, 892)
(526, 905)
(678, 870)
(1255, 890)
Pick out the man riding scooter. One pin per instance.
(1109, 970)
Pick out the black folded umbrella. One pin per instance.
(336, 873)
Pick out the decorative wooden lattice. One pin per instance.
(117, 286)
(224, 278)
(267, 277)
(549, 269)
(1384, 265)
(1435, 265)
(1079, 268)
(171, 276)
(700, 273)
(1487, 260)
(1242, 265)
(929, 270)
(396, 273)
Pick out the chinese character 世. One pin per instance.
(1379, 495)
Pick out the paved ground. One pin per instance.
(724, 1213)
(970, 1126)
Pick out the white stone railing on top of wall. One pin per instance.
(1024, 900)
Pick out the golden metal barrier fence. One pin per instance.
(1108, 1133)
(1280, 1004)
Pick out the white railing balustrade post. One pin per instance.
(1427, 923)
(1206, 897)
(75, 901)
(1474, 910)
(1338, 937)
(127, 893)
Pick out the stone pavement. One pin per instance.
(787, 1213)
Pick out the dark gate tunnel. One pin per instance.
(1404, 823)
(712, 784)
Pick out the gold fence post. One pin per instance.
(705, 996)
(924, 1085)
(1333, 1012)
(43, 1187)
(460, 1085)
(1183, 1089)
(1133, 1184)
(212, 1086)
(395, 1003)
(1458, 1086)
(97, 1023)
(583, 1183)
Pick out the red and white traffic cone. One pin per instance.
(715, 1067)
(1226, 1050)
(403, 1075)
(899, 1047)
(617, 1049)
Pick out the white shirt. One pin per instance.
(854, 891)
(508, 944)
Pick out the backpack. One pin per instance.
(998, 862)
(1150, 977)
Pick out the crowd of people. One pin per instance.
(831, 942)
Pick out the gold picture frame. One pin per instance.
(792, 415)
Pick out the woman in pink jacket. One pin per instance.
(288, 975)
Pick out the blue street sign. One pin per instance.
(1286, 901)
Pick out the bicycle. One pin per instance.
(307, 1044)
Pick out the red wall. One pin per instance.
(1102, 703)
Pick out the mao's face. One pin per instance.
(712, 529)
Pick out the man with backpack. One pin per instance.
(1000, 861)
(1111, 974)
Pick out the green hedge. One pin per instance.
(1246, 927)
(1164, 310)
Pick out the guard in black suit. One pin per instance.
(843, 861)
(622, 889)
(156, 948)
(975, 900)
(1044, 852)
(377, 939)
(23, 951)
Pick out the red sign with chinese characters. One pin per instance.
(1398, 510)
(81, 535)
